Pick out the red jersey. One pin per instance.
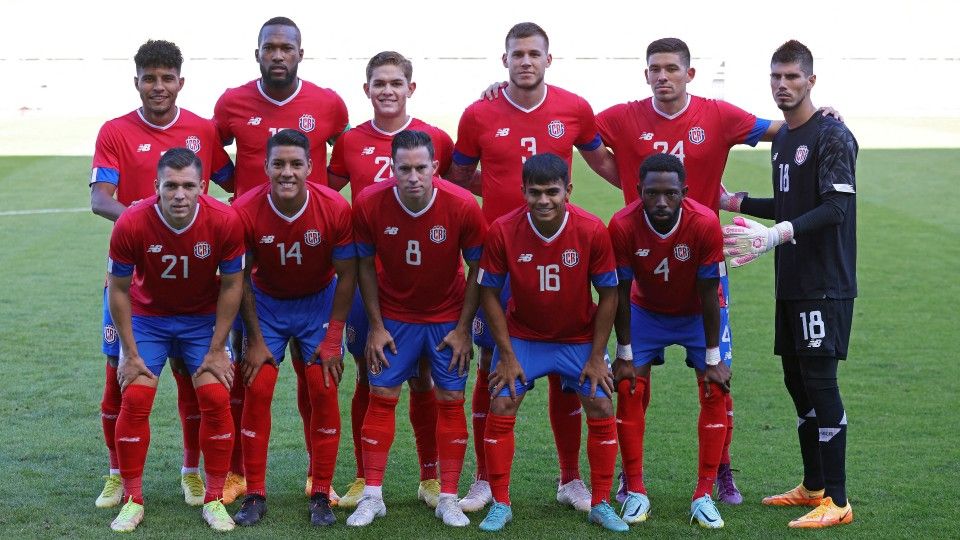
(420, 277)
(248, 115)
(665, 267)
(129, 148)
(363, 154)
(176, 272)
(501, 135)
(701, 135)
(293, 256)
(549, 277)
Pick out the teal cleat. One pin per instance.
(604, 515)
(705, 512)
(636, 508)
(499, 515)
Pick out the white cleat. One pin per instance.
(368, 509)
(478, 496)
(216, 515)
(575, 494)
(131, 514)
(450, 512)
(193, 488)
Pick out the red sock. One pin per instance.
(109, 410)
(133, 437)
(189, 419)
(602, 454)
(236, 414)
(499, 445)
(216, 436)
(423, 418)
(565, 413)
(728, 403)
(631, 423)
(379, 429)
(303, 405)
(324, 428)
(451, 442)
(712, 430)
(479, 408)
(358, 409)
(255, 428)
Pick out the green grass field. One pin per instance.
(897, 385)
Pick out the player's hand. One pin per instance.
(255, 355)
(217, 363)
(719, 375)
(492, 91)
(731, 201)
(459, 342)
(830, 111)
(507, 371)
(746, 239)
(598, 373)
(377, 340)
(129, 369)
(623, 371)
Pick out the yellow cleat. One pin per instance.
(429, 492)
(233, 487)
(129, 517)
(193, 488)
(216, 515)
(353, 494)
(825, 515)
(798, 496)
(112, 492)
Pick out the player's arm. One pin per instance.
(602, 162)
(256, 353)
(102, 201)
(216, 365)
(459, 339)
(377, 336)
(775, 125)
(330, 350)
(717, 372)
(335, 181)
(131, 368)
(465, 175)
(623, 363)
(508, 368)
(597, 371)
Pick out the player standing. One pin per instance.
(669, 250)
(529, 118)
(124, 172)
(814, 207)
(297, 286)
(552, 252)
(418, 305)
(175, 283)
(361, 157)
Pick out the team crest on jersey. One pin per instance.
(556, 129)
(351, 334)
(307, 123)
(312, 237)
(570, 258)
(681, 252)
(477, 326)
(193, 143)
(109, 334)
(201, 250)
(438, 234)
(801, 155)
(697, 135)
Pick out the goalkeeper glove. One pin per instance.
(731, 201)
(746, 239)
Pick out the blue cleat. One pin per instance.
(499, 515)
(604, 515)
(636, 508)
(705, 512)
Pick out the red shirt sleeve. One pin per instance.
(467, 143)
(601, 252)
(588, 125)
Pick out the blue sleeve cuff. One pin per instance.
(463, 159)
(489, 279)
(592, 145)
(346, 251)
(119, 269)
(473, 253)
(709, 271)
(624, 273)
(606, 279)
(231, 266)
(105, 174)
(364, 250)
(759, 128)
(224, 174)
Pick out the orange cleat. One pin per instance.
(825, 515)
(798, 496)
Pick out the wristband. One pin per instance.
(333, 341)
(624, 352)
(713, 356)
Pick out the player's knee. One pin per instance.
(598, 407)
(504, 406)
(392, 392)
(449, 395)
(486, 356)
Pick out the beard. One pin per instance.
(274, 82)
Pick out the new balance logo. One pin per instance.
(479, 415)
(646, 136)
(367, 150)
(254, 121)
(328, 431)
(248, 433)
(491, 441)
(109, 416)
(576, 412)
(155, 248)
(266, 239)
(525, 257)
(502, 132)
(641, 252)
(459, 441)
(128, 439)
(368, 440)
(609, 442)
(392, 231)
(143, 148)
(775, 154)
(715, 426)
(221, 437)
(814, 343)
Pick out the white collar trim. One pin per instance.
(671, 231)
(275, 102)
(154, 126)
(176, 231)
(506, 96)
(671, 116)
(433, 198)
(566, 218)
(290, 219)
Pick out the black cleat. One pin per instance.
(320, 513)
(252, 510)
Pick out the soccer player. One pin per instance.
(298, 286)
(124, 172)
(552, 252)
(418, 304)
(669, 250)
(361, 157)
(814, 209)
(175, 282)
(249, 115)
(529, 117)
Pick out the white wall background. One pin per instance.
(892, 70)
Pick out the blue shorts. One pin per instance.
(539, 358)
(357, 327)
(726, 333)
(184, 336)
(413, 341)
(304, 319)
(651, 333)
(481, 331)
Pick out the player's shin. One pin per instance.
(479, 408)
(499, 443)
(324, 429)
(728, 440)
(109, 411)
(236, 413)
(189, 411)
(808, 432)
(133, 437)
(565, 420)
(255, 428)
(358, 409)
(602, 454)
(711, 431)
(423, 418)
(379, 428)
(821, 385)
(303, 406)
(631, 423)
(451, 443)
(216, 437)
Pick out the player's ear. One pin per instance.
(300, 58)
(180, 86)
(504, 58)
(366, 89)
(411, 88)
(566, 198)
(136, 83)
(256, 54)
(683, 190)
(549, 59)
(156, 185)
(436, 166)
(203, 186)
(811, 80)
(691, 73)
(309, 166)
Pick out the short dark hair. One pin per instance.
(663, 163)
(179, 159)
(410, 139)
(794, 52)
(289, 137)
(545, 169)
(158, 53)
(279, 21)
(669, 45)
(525, 30)
(390, 58)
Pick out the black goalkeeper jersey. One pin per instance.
(816, 159)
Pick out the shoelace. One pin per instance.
(606, 511)
(112, 484)
(499, 512)
(128, 510)
(194, 483)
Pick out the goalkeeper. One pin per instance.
(814, 210)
